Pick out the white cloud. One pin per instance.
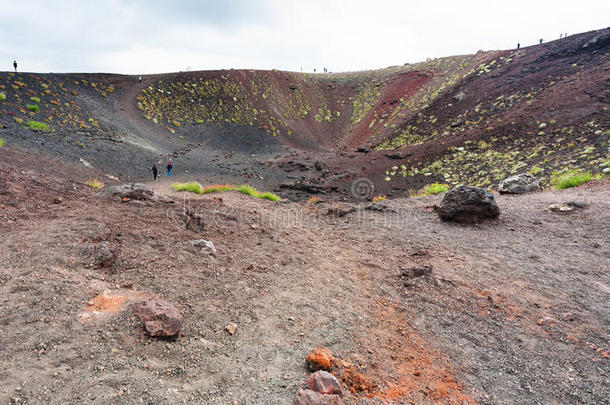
(139, 36)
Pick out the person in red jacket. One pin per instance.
(169, 169)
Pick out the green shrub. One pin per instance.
(35, 99)
(570, 179)
(2, 96)
(33, 107)
(38, 126)
(191, 186)
(1, 142)
(199, 122)
(606, 163)
(95, 183)
(435, 188)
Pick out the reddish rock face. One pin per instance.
(324, 383)
(160, 317)
(320, 359)
(309, 397)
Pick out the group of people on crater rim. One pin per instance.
(541, 40)
(155, 170)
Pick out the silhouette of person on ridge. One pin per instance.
(15, 65)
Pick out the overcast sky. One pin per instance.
(151, 36)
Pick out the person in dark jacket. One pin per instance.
(169, 169)
(155, 171)
(15, 65)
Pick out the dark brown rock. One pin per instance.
(160, 317)
(325, 383)
(468, 205)
(309, 397)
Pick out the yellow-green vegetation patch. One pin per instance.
(434, 188)
(38, 126)
(2, 96)
(33, 107)
(1, 142)
(196, 188)
(95, 183)
(191, 186)
(570, 178)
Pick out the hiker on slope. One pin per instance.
(155, 171)
(169, 169)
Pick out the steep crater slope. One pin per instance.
(462, 119)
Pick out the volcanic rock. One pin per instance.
(468, 205)
(160, 317)
(320, 359)
(309, 397)
(324, 382)
(104, 254)
(519, 184)
(206, 246)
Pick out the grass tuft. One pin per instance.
(570, 179)
(191, 186)
(2, 96)
(435, 188)
(95, 183)
(196, 188)
(1, 142)
(33, 107)
(38, 126)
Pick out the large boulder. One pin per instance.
(309, 397)
(520, 184)
(160, 317)
(468, 205)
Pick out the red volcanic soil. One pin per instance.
(402, 85)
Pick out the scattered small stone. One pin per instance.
(546, 320)
(160, 317)
(397, 155)
(363, 149)
(340, 210)
(379, 207)
(231, 328)
(468, 204)
(416, 271)
(324, 382)
(320, 359)
(206, 246)
(568, 206)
